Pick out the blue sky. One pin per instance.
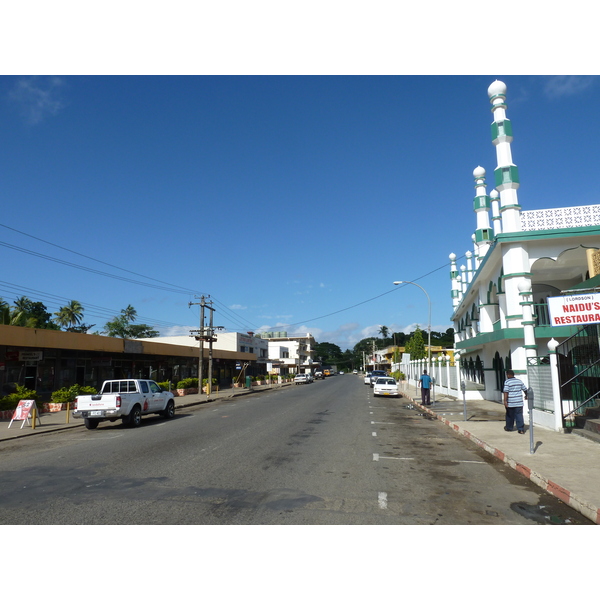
(290, 163)
(293, 201)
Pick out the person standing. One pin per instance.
(425, 383)
(513, 402)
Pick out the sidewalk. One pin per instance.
(57, 421)
(565, 465)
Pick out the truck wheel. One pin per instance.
(91, 423)
(135, 416)
(169, 412)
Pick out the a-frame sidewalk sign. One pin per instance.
(23, 411)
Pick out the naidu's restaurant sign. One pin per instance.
(574, 310)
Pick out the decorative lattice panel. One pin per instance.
(560, 218)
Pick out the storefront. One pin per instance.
(46, 360)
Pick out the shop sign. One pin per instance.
(26, 355)
(574, 310)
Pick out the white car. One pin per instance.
(385, 386)
(301, 378)
(367, 379)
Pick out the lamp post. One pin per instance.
(428, 324)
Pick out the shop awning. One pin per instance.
(589, 285)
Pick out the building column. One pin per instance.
(556, 397)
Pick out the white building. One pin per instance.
(291, 354)
(516, 261)
(256, 347)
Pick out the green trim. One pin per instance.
(524, 323)
(513, 333)
(502, 131)
(524, 236)
(481, 203)
(506, 176)
(588, 284)
(508, 333)
(484, 235)
(514, 317)
(509, 206)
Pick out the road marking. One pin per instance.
(374, 434)
(380, 423)
(476, 462)
(378, 457)
(382, 499)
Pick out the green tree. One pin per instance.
(27, 313)
(121, 326)
(384, 332)
(415, 346)
(327, 353)
(69, 316)
(446, 340)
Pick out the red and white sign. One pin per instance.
(574, 310)
(23, 411)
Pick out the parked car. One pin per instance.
(374, 375)
(319, 375)
(385, 386)
(310, 377)
(301, 378)
(367, 378)
(126, 399)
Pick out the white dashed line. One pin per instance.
(378, 457)
(382, 498)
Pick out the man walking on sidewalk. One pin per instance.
(425, 383)
(513, 401)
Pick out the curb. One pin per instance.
(588, 510)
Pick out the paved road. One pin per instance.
(323, 453)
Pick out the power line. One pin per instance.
(174, 288)
(89, 258)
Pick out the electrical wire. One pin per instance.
(174, 288)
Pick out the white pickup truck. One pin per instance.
(126, 399)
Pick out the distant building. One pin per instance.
(291, 354)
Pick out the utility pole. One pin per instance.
(205, 334)
(200, 337)
(211, 338)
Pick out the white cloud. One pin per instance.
(38, 97)
(567, 85)
(238, 307)
(176, 330)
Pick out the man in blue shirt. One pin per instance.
(425, 383)
(513, 402)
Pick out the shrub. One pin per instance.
(68, 394)
(189, 382)
(164, 385)
(10, 402)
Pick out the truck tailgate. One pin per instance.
(99, 402)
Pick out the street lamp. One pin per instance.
(428, 324)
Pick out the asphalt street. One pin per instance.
(326, 453)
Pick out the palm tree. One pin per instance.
(70, 315)
(129, 314)
(384, 331)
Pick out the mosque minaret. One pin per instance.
(506, 173)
